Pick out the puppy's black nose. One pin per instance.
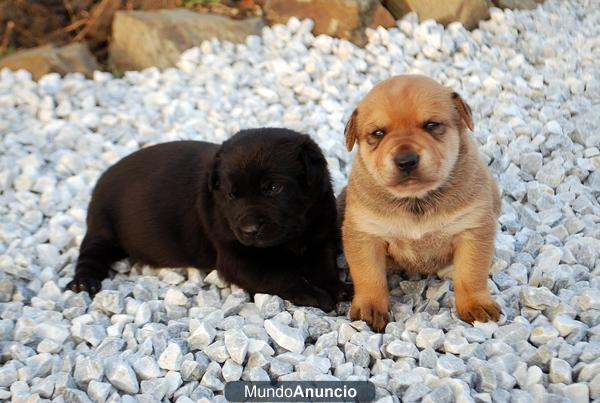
(407, 162)
(250, 229)
(250, 225)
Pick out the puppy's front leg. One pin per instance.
(322, 271)
(365, 255)
(255, 275)
(473, 254)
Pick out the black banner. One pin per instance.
(300, 391)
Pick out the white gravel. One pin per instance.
(532, 79)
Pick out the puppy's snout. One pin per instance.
(251, 226)
(407, 162)
(250, 229)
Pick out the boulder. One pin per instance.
(143, 39)
(468, 12)
(398, 8)
(152, 4)
(517, 4)
(340, 18)
(49, 59)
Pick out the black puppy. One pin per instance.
(259, 208)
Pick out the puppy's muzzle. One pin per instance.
(407, 162)
(251, 226)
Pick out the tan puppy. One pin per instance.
(418, 197)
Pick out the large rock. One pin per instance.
(517, 4)
(143, 39)
(340, 18)
(397, 8)
(49, 59)
(469, 12)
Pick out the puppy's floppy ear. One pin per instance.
(350, 131)
(213, 173)
(314, 162)
(463, 110)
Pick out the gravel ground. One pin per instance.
(532, 81)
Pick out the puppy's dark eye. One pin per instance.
(274, 189)
(378, 133)
(431, 126)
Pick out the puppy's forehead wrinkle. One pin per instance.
(376, 124)
(408, 109)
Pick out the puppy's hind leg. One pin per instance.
(96, 255)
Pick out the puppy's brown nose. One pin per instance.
(407, 162)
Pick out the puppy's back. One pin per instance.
(162, 169)
(150, 196)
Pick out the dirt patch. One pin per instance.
(27, 23)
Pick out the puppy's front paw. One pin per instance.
(325, 302)
(85, 283)
(312, 296)
(374, 311)
(481, 308)
(342, 291)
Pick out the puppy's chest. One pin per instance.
(423, 246)
(425, 255)
(411, 228)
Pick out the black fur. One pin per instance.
(186, 203)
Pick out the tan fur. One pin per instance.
(446, 215)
